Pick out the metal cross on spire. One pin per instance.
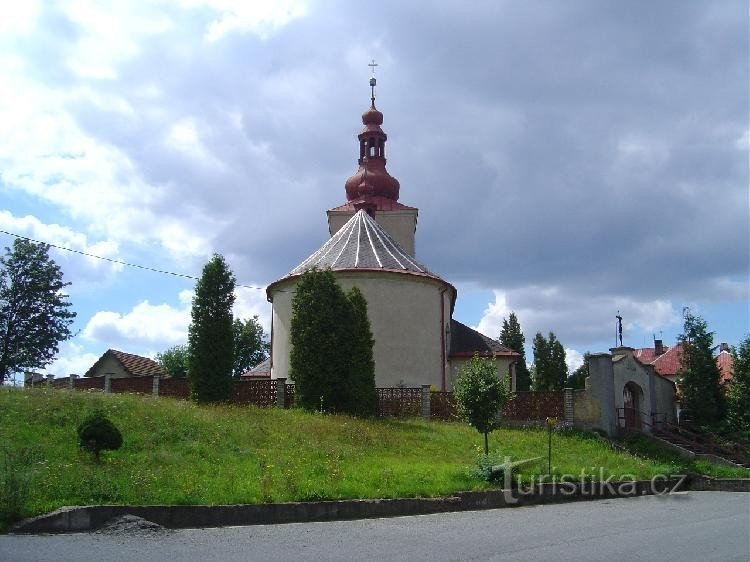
(372, 65)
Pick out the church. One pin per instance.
(372, 246)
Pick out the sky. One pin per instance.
(569, 159)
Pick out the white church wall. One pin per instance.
(405, 315)
(457, 363)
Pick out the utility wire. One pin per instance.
(111, 260)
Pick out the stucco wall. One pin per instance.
(455, 364)
(400, 224)
(587, 413)
(665, 398)
(405, 316)
(112, 366)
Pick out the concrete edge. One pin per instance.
(76, 519)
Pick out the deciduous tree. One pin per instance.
(480, 395)
(35, 313)
(210, 337)
(174, 361)
(250, 344)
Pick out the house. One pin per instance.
(410, 308)
(667, 361)
(119, 364)
(261, 371)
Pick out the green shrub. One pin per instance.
(96, 433)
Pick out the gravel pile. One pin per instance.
(129, 525)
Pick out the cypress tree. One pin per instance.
(550, 369)
(702, 396)
(321, 336)
(738, 397)
(210, 337)
(511, 336)
(363, 364)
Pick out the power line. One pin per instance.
(120, 262)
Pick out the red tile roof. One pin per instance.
(725, 363)
(669, 363)
(134, 365)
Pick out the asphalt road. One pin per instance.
(694, 526)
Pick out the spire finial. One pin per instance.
(372, 65)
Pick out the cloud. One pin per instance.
(72, 360)
(573, 359)
(146, 325)
(150, 326)
(577, 319)
(569, 156)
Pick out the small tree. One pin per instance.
(250, 344)
(511, 336)
(210, 337)
(363, 364)
(35, 313)
(174, 361)
(702, 396)
(96, 433)
(321, 335)
(480, 395)
(738, 396)
(577, 379)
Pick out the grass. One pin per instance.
(176, 452)
(645, 447)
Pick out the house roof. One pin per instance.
(134, 365)
(669, 363)
(725, 363)
(362, 245)
(466, 341)
(261, 370)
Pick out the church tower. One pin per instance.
(372, 188)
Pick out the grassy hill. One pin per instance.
(176, 452)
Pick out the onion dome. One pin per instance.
(372, 180)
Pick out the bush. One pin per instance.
(96, 433)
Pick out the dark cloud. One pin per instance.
(569, 144)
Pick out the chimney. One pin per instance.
(658, 347)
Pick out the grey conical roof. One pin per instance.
(362, 244)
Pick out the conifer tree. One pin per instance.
(702, 397)
(550, 368)
(738, 396)
(210, 337)
(511, 336)
(321, 333)
(363, 364)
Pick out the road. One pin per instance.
(694, 526)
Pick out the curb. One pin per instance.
(79, 519)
